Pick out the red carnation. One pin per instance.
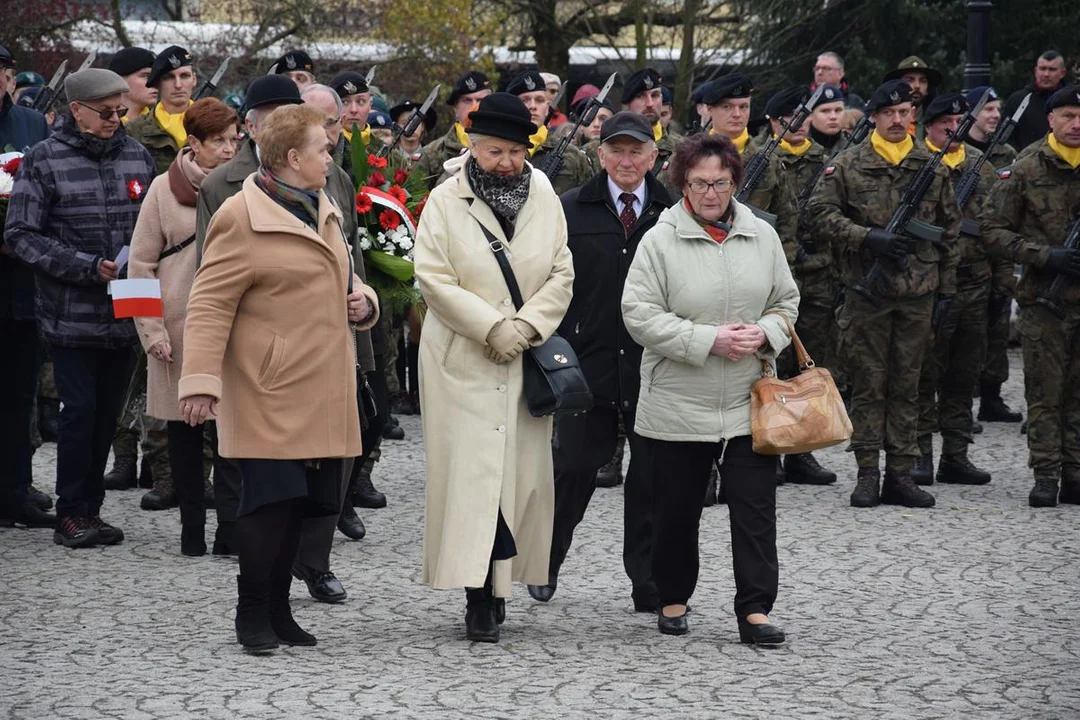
(420, 208)
(12, 166)
(363, 203)
(400, 176)
(398, 193)
(376, 162)
(389, 220)
(376, 179)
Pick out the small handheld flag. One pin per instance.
(140, 297)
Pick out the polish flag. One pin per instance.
(140, 297)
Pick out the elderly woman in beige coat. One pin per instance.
(269, 349)
(490, 486)
(162, 247)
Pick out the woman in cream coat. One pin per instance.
(490, 487)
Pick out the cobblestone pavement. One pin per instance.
(965, 611)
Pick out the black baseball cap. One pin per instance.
(626, 124)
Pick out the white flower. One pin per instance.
(365, 242)
(6, 183)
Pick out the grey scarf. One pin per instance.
(504, 194)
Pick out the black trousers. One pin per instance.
(92, 384)
(680, 474)
(583, 444)
(19, 363)
(186, 467)
(227, 482)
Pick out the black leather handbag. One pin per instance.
(552, 377)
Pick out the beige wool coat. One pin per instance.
(484, 450)
(268, 333)
(164, 222)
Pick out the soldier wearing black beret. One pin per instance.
(642, 94)
(298, 65)
(410, 145)
(355, 96)
(529, 87)
(134, 65)
(161, 130)
(827, 117)
(469, 90)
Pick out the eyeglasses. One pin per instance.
(106, 113)
(701, 187)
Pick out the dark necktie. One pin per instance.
(628, 216)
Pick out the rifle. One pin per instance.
(967, 183)
(1052, 299)
(370, 77)
(903, 219)
(414, 121)
(45, 98)
(210, 85)
(858, 134)
(552, 162)
(88, 61)
(755, 169)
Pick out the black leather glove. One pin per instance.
(884, 244)
(941, 311)
(998, 303)
(1063, 260)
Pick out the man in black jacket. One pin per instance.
(606, 218)
(1049, 77)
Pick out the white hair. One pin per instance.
(834, 57)
(324, 89)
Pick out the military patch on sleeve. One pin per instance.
(1004, 173)
(830, 170)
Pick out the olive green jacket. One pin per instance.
(147, 131)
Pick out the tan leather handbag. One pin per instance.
(805, 413)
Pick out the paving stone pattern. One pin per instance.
(965, 611)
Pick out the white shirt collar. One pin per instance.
(639, 196)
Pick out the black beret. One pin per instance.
(975, 94)
(698, 95)
(667, 95)
(528, 81)
(830, 94)
(293, 61)
(891, 93)
(1068, 96)
(947, 104)
(171, 58)
(6, 59)
(784, 102)
(349, 83)
(430, 118)
(639, 82)
(503, 115)
(131, 60)
(468, 84)
(735, 85)
(271, 90)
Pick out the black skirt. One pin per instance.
(270, 481)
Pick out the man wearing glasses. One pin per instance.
(73, 209)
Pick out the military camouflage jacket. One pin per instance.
(1002, 155)
(147, 131)
(812, 253)
(976, 267)
(774, 194)
(1029, 210)
(434, 154)
(860, 191)
(576, 169)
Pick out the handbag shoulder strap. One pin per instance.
(176, 248)
(802, 357)
(499, 249)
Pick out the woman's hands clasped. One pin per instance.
(505, 342)
(737, 341)
(359, 305)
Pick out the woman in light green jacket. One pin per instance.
(707, 296)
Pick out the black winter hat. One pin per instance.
(732, 86)
(271, 90)
(948, 104)
(639, 82)
(503, 115)
(1068, 96)
(471, 82)
(172, 58)
(528, 81)
(131, 60)
(349, 83)
(784, 102)
(894, 92)
(831, 94)
(293, 61)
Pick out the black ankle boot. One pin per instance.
(224, 539)
(281, 619)
(867, 492)
(192, 540)
(253, 629)
(922, 470)
(480, 622)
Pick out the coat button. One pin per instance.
(502, 388)
(624, 251)
(626, 403)
(502, 428)
(506, 301)
(622, 352)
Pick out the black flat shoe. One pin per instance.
(672, 625)
(765, 634)
(350, 524)
(32, 516)
(42, 500)
(193, 540)
(323, 586)
(543, 593)
(481, 624)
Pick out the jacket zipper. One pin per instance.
(727, 312)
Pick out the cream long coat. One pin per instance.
(484, 451)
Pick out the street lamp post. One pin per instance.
(977, 69)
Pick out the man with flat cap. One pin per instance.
(266, 94)
(575, 169)
(953, 362)
(161, 130)
(607, 218)
(923, 81)
(884, 339)
(74, 206)
(356, 97)
(1026, 219)
(134, 64)
(296, 65)
(469, 90)
(813, 268)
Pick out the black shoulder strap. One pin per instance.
(176, 248)
(499, 249)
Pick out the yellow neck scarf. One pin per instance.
(462, 136)
(657, 131)
(951, 159)
(796, 150)
(1070, 155)
(128, 118)
(365, 135)
(892, 153)
(538, 139)
(172, 123)
(741, 141)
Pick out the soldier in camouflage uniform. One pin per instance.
(951, 368)
(643, 93)
(813, 270)
(887, 339)
(161, 130)
(575, 169)
(992, 407)
(1029, 213)
(468, 90)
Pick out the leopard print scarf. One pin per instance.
(504, 194)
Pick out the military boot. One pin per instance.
(804, 469)
(363, 492)
(161, 496)
(899, 488)
(611, 474)
(125, 448)
(922, 470)
(867, 491)
(1070, 485)
(958, 469)
(1045, 492)
(992, 407)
